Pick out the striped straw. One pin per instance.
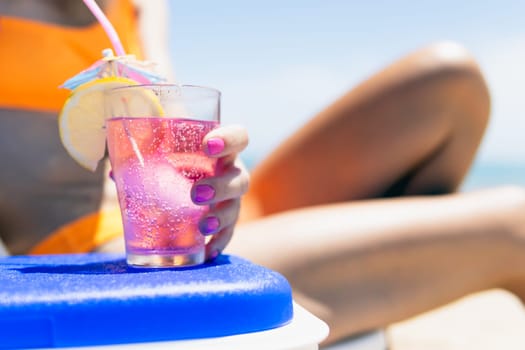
(107, 26)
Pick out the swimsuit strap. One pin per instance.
(37, 57)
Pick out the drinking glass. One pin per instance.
(155, 144)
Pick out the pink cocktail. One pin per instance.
(155, 161)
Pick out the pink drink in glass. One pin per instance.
(155, 162)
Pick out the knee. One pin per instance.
(450, 56)
(446, 58)
(450, 69)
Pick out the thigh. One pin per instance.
(413, 128)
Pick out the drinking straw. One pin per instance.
(119, 50)
(107, 26)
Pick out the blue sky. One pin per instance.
(279, 62)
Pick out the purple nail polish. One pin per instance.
(215, 146)
(209, 225)
(204, 193)
(215, 254)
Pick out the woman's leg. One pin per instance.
(365, 264)
(410, 129)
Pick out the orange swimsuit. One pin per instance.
(35, 59)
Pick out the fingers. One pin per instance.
(232, 183)
(222, 218)
(218, 242)
(223, 194)
(225, 141)
(224, 190)
(219, 217)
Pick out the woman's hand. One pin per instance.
(224, 190)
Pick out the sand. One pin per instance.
(493, 319)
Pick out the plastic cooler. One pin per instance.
(96, 301)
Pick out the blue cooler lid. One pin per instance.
(97, 299)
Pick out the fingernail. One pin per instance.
(215, 254)
(215, 146)
(111, 175)
(209, 225)
(204, 193)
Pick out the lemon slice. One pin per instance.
(82, 119)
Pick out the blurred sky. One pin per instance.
(278, 62)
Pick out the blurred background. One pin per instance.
(279, 62)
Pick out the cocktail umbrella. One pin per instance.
(121, 65)
(112, 66)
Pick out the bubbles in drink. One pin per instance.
(154, 180)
